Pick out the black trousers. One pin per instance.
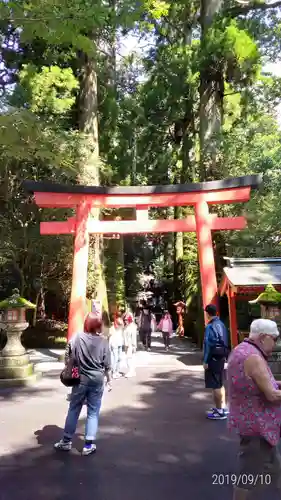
(145, 338)
(214, 375)
(166, 339)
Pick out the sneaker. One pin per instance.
(116, 376)
(149, 349)
(216, 414)
(63, 445)
(226, 410)
(130, 374)
(89, 449)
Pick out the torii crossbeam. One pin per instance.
(85, 198)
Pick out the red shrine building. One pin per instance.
(202, 196)
(243, 280)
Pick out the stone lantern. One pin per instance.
(270, 303)
(15, 364)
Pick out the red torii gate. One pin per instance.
(85, 198)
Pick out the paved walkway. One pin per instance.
(154, 441)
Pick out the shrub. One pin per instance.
(46, 334)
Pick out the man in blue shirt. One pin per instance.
(216, 348)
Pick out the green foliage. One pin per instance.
(58, 23)
(48, 334)
(26, 137)
(50, 91)
(233, 50)
(157, 8)
(269, 296)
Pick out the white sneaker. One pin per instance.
(63, 445)
(216, 414)
(226, 410)
(89, 449)
(130, 374)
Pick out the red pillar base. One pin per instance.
(232, 318)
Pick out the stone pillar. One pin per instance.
(15, 366)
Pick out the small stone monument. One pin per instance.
(15, 366)
(270, 303)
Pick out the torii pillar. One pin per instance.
(206, 255)
(77, 306)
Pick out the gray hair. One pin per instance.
(263, 327)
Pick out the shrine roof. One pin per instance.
(253, 181)
(253, 272)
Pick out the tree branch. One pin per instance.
(240, 10)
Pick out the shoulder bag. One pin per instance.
(70, 375)
(220, 350)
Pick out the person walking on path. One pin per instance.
(166, 327)
(255, 409)
(130, 344)
(145, 327)
(116, 345)
(215, 354)
(92, 357)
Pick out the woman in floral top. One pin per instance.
(255, 409)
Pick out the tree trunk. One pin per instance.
(211, 98)
(116, 252)
(89, 172)
(115, 273)
(178, 254)
(168, 243)
(178, 241)
(186, 172)
(35, 311)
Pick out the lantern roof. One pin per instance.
(16, 302)
(269, 296)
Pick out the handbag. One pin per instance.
(70, 375)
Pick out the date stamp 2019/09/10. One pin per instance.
(241, 479)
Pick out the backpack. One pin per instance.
(220, 350)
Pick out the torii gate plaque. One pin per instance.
(84, 198)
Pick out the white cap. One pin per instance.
(263, 327)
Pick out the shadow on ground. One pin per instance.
(19, 392)
(160, 447)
